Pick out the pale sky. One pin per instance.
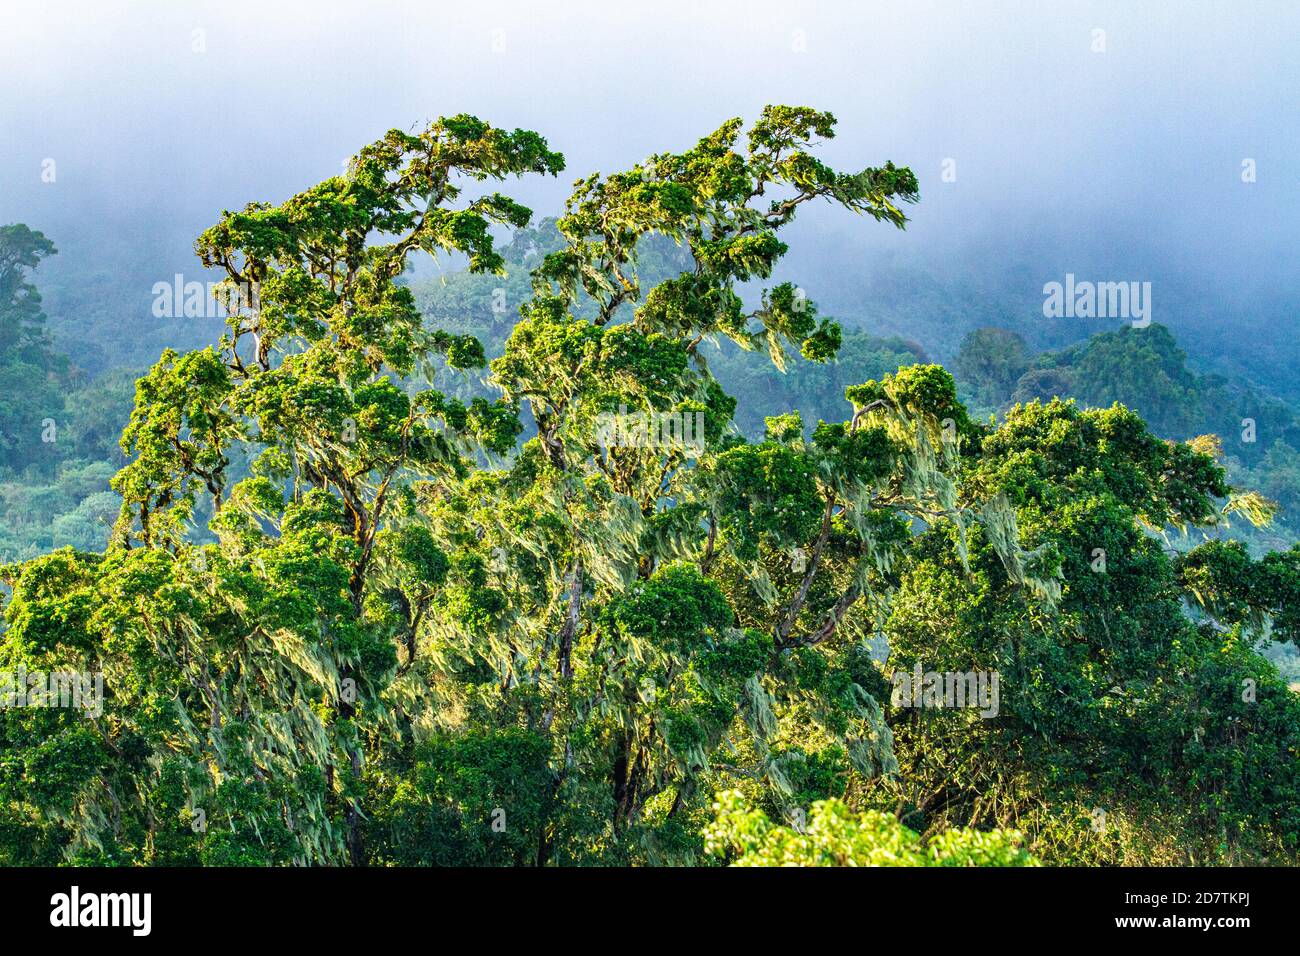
(1127, 161)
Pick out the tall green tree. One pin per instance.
(32, 376)
(246, 675)
(657, 615)
(1126, 732)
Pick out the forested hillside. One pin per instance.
(610, 549)
(58, 429)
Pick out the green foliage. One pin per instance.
(483, 798)
(1096, 697)
(347, 617)
(992, 363)
(1223, 579)
(836, 836)
(30, 373)
(1145, 370)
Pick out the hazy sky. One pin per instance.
(1126, 162)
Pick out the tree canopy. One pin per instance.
(407, 634)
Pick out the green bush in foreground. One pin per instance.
(836, 836)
